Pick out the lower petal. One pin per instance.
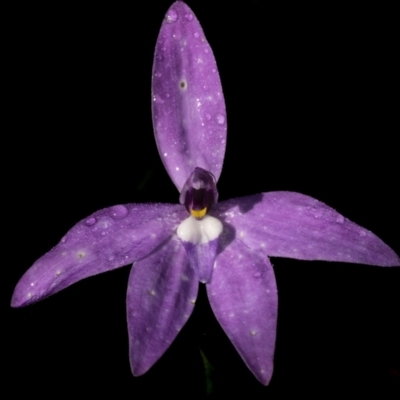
(244, 299)
(162, 291)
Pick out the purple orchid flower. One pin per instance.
(225, 245)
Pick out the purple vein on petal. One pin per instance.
(108, 239)
(162, 292)
(293, 225)
(188, 105)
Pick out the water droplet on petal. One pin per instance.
(257, 275)
(223, 141)
(171, 16)
(340, 219)
(158, 99)
(206, 50)
(196, 35)
(220, 119)
(64, 239)
(189, 16)
(363, 233)
(118, 212)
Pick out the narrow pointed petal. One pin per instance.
(189, 115)
(162, 291)
(244, 299)
(106, 240)
(293, 225)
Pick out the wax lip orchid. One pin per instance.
(225, 244)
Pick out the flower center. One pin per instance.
(199, 233)
(199, 193)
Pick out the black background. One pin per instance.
(310, 96)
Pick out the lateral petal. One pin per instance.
(293, 225)
(162, 291)
(108, 239)
(244, 299)
(189, 117)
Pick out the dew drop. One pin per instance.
(196, 35)
(206, 50)
(171, 16)
(118, 212)
(223, 141)
(220, 119)
(363, 233)
(340, 219)
(158, 99)
(90, 221)
(257, 275)
(189, 16)
(64, 239)
(159, 57)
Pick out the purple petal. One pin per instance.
(244, 299)
(108, 239)
(288, 224)
(189, 116)
(162, 291)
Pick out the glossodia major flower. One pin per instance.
(224, 245)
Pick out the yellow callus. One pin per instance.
(198, 214)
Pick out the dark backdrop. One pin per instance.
(310, 95)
